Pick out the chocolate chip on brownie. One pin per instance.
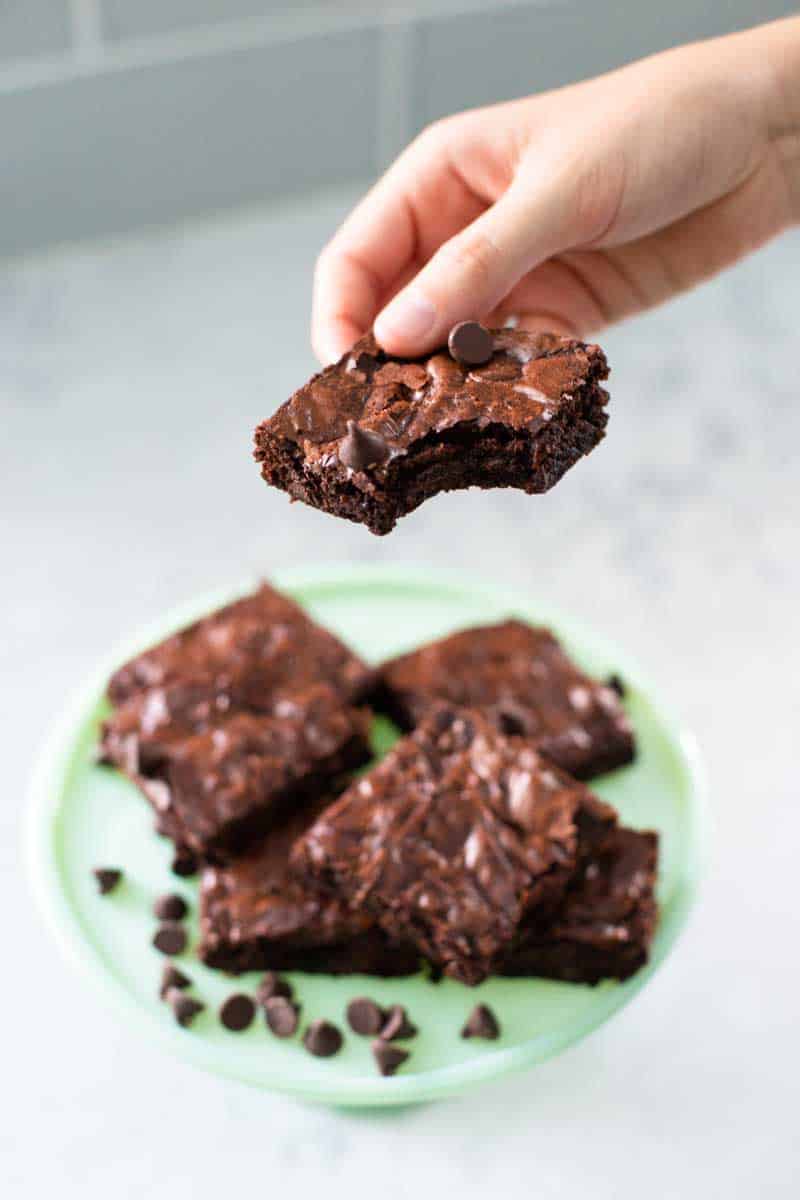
(470, 344)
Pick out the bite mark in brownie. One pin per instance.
(607, 919)
(220, 783)
(520, 678)
(371, 437)
(262, 644)
(257, 914)
(455, 838)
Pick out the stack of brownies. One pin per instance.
(471, 846)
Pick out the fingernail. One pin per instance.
(409, 317)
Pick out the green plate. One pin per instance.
(83, 815)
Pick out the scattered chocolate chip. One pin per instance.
(282, 1016)
(617, 685)
(171, 907)
(170, 938)
(184, 864)
(171, 978)
(184, 1007)
(272, 985)
(481, 1023)
(237, 1012)
(470, 344)
(323, 1039)
(365, 1017)
(107, 879)
(388, 1058)
(361, 448)
(397, 1026)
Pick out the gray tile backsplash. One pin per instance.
(136, 18)
(146, 144)
(500, 54)
(33, 27)
(167, 108)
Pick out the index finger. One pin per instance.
(418, 204)
(356, 268)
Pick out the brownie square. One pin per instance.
(257, 914)
(455, 838)
(521, 679)
(264, 641)
(371, 437)
(218, 780)
(606, 922)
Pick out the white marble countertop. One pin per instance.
(131, 375)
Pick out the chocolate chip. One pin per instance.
(107, 879)
(171, 907)
(617, 685)
(397, 1026)
(272, 985)
(361, 448)
(388, 1058)
(282, 1016)
(323, 1039)
(184, 1007)
(171, 978)
(481, 1023)
(364, 1016)
(184, 864)
(170, 938)
(470, 344)
(237, 1012)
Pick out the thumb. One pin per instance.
(471, 273)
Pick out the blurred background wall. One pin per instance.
(121, 113)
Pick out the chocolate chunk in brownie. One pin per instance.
(371, 437)
(217, 782)
(454, 839)
(261, 645)
(521, 679)
(606, 922)
(256, 914)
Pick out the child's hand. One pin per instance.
(574, 208)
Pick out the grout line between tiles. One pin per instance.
(87, 31)
(93, 53)
(395, 85)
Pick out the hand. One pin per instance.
(577, 207)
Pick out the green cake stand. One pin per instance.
(82, 815)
